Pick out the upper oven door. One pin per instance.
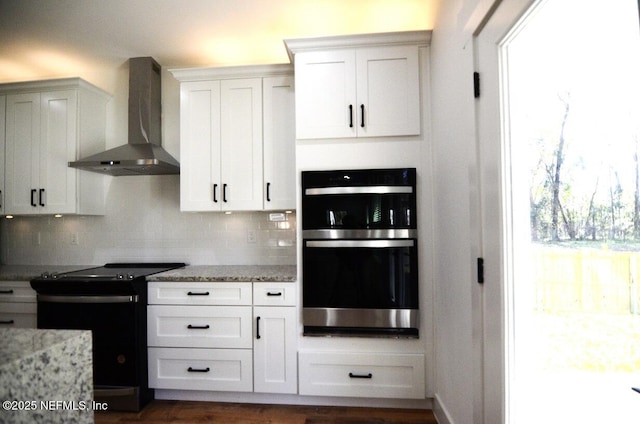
(335, 204)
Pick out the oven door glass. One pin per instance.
(368, 274)
(362, 211)
(113, 328)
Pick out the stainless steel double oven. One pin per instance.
(360, 253)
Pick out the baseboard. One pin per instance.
(441, 413)
(265, 398)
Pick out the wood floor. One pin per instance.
(179, 412)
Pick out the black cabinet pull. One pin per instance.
(350, 116)
(362, 116)
(224, 193)
(0, 198)
(191, 369)
(352, 375)
(215, 193)
(10, 291)
(41, 197)
(197, 293)
(274, 293)
(33, 198)
(268, 192)
(198, 327)
(8, 322)
(257, 327)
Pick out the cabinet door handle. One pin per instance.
(224, 193)
(257, 327)
(0, 198)
(33, 197)
(274, 293)
(198, 327)
(10, 291)
(268, 192)
(41, 197)
(191, 369)
(215, 193)
(362, 116)
(352, 375)
(350, 116)
(8, 322)
(197, 293)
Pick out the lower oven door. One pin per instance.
(114, 324)
(360, 286)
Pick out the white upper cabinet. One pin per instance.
(49, 124)
(236, 138)
(279, 150)
(358, 86)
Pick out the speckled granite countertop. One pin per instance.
(45, 366)
(29, 272)
(205, 273)
(212, 273)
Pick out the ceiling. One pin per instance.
(60, 38)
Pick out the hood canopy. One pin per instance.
(142, 155)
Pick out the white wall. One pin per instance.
(454, 230)
(143, 219)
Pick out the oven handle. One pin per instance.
(87, 299)
(360, 243)
(358, 190)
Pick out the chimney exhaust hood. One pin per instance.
(142, 155)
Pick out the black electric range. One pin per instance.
(111, 301)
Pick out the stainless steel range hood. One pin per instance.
(142, 155)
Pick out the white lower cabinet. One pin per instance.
(18, 307)
(212, 337)
(200, 369)
(362, 374)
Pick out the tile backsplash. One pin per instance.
(143, 222)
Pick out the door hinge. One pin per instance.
(476, 84)
(480, 266)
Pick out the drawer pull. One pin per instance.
(8, 322)
(10, 291)
(352, 375)
(198, 327)
(274, 293)
(197, 293)
(190, 369)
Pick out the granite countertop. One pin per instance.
(190, 273)
(29, 272)
(213, 273)
(28, 341)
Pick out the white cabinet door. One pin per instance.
(388, 89)
(22, 153)
(279, 143)
(241, 150)
(2, 146)
(361, 92)
(200, 146)
(58, 127)
(274, 350)
(325, 94)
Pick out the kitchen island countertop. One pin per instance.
(214, 273)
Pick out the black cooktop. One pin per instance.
(114, 271)
(121, 278)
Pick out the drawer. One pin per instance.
(201, 369)
(379, 375)
(178, 293)
(274, 294)
(18, 315)
(16, 291)
(199, 326)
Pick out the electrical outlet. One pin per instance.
(251, 236)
